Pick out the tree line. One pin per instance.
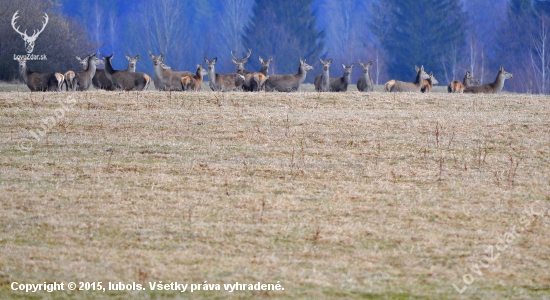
(448, 37)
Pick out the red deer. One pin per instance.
(491, 88)
(40, 82)
(427, 84)
(223, 82)
(388, 85)
(83, 79)
(288, 82)
(69, 78)
(322, 81)
(124, 80)
(259, 80)
(100, 80)
(193, 83)
(29, 40)
(250, 78)
(132, 62)
(458, 87)
(165, 78)
(401, 86)
(340, 84)
(365, 83)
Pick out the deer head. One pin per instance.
(365, 66)
(132, 61)
(157, 60)
(239, 63)
(325, 64)
(29, 40)
(470, 78)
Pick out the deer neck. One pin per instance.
(419, 79)
(302, 73)
(499, 82)
(263, 70)
(129, 68)
(326, 78)
(198, 74)
(212, 74)
(92, 68)
(347, 78)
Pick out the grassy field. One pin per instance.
(335, 195)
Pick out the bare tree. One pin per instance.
(540, 61)
(163, 26)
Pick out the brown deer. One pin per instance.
(365, 83)
(165, 78)
(402, 86)
(322, 81)
(132, 63)
(388, 85)
(427, 84)
(340, 84)
(83, 79)
(458, 87)
(250, 78)
(69, 78)
(193, 83)
(124, 80)
(259, 80)
(288, 82)
(491, 88)
(100, 80)
(223, 82)
(40, 82)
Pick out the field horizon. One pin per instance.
(331, 195)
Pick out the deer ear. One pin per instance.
(352, 65)
(370, 63)
(215, 59)
(343, 66)
(150, 54)
(416, 68)
(137, 57)
(330, 61)
(261, 59)
(128, 57)
(432, 73)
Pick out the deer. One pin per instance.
(165, 78)
(125, 80)
(193, 83)
(401, 86)
(132, 62)
(288, 82)
(83, 79)
(29, 40)
(322, 81)
(458, 87)
(100, 80)
(68, 80)
(40, 82)
(340, 84)
(491, 88)
(251, 79)
(223, 82)
(427, 84)
(365, 83)
(259, 80)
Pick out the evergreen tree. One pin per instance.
(423, 32)
(286, 30)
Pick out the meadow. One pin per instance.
(332, 195)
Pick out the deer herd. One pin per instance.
(166, 79)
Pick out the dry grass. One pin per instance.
(348, 195)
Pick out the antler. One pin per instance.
(15, 17)
(34, 33)
(249, 52)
